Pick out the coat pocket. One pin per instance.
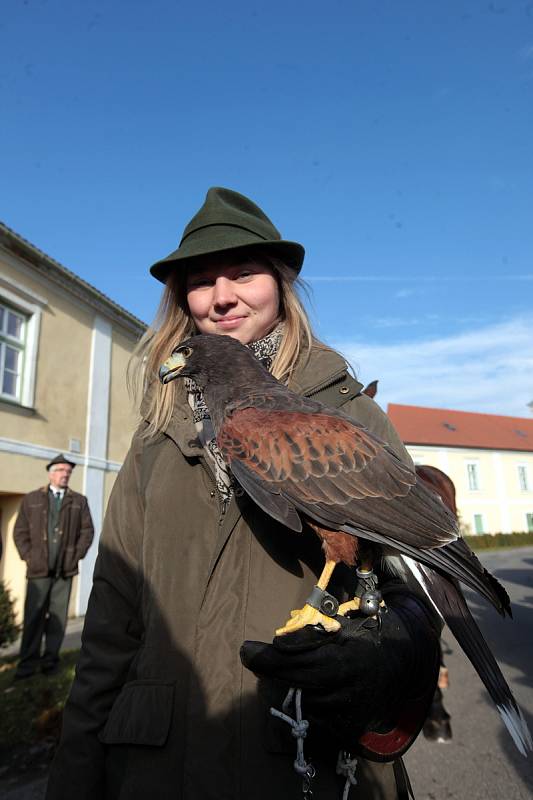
(70, 562)
(141, 714)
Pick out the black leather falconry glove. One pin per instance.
(368, 686)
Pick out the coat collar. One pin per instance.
(317, 369)
(67, 497)
(181, 426)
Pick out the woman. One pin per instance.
(189, 568)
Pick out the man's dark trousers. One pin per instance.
(45, 612)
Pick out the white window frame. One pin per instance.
(18, 344)
(483, 526)
(522, 470)
(476, 472)
(30, 305)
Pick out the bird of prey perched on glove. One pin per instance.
(298, 459)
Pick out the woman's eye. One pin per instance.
(245, 273)
(199, 283)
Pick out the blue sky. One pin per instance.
(393, 139)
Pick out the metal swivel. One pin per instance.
(370, 603)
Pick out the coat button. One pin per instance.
(344, 390)
(239, 492)
(212, 493)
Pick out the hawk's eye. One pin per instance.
(186, 352)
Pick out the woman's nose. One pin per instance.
(224, 293)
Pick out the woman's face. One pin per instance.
(240, 300)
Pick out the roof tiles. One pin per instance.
(447, 428)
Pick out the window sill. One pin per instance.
(16, 405)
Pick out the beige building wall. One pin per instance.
(123, 419)
(521, 500)
(110, 479)
(499, 498)
(79, 399)
(62, 370)
(20, 474)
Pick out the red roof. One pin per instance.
(438, 426)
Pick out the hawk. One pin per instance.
(301, 461)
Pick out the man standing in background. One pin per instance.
(53, 532)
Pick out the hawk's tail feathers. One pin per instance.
(448, 598)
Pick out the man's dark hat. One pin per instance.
(228, 221)
(60, 459)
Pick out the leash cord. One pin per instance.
(346, 765)
(299, 728)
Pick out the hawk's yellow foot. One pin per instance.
(355, 605)
(351, 605)
(308, 616)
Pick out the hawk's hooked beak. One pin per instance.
(172, 367)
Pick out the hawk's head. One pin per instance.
(210, 359)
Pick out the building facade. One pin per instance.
(64, 349)
(488, 457)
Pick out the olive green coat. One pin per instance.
(162, 707)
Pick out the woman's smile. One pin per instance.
(229, 322)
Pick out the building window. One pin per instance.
(473, 476)
(12, 341)
(523, 481)
(479, 526)
(20, 320)
(529, 518)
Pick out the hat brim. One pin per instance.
(63, 461)
(291, 253)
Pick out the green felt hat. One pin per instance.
(60, 459)
(228, 221)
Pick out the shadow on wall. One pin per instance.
(12, 568)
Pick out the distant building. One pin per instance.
(64, 347)
(488, 457)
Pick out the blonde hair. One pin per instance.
(173, 324)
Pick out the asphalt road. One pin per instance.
(481, 762)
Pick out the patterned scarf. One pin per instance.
(265, 350)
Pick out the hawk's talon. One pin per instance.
(308, 616)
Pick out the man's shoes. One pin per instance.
(51, 669)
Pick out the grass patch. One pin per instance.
(491, 541)
(32, 708)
